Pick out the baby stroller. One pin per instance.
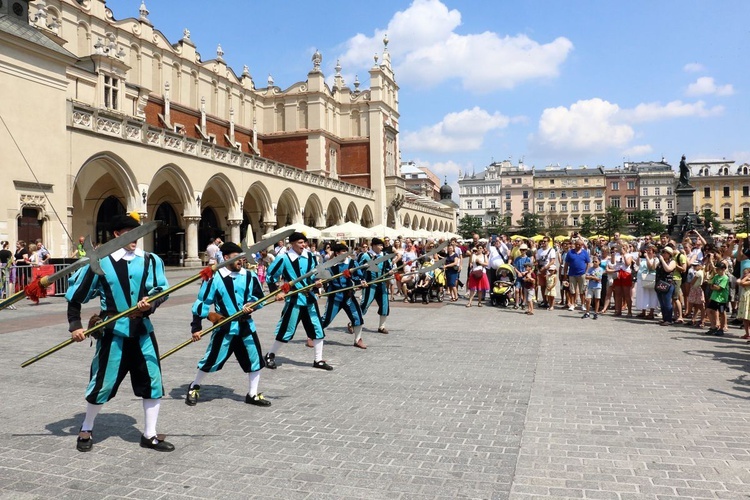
(502, 292)
(422, 288)
(438, 283)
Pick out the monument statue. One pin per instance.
(684, 173)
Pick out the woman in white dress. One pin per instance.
(646, 299)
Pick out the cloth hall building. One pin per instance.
(102, 116)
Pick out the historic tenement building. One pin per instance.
(656, 182)
(563, 196)
(111, 117)
(721, 186)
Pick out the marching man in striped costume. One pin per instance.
(130, 275)
(377, 291)
(231, 290)
(344, 299)
(303, 306)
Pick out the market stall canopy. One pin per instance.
(308, 231)
(382, 231)
(347, 230)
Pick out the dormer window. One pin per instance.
(724, 171)
(111, 92)
(743, 170)
(704, 171)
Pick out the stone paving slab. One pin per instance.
(454, 403)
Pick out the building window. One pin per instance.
(746, 191)
(540, 195)
(468, 204)
(575, 194)
(631, 218)
(574, 206)
(631, 202)
(585, 181)
(598, 206)
(706, 192)
(727, 213)
(525, 195)
(644, 204)
(525, 206)
(507, 206)
(552, 195)
(493, 203)
(599, 193)
(563, 194)
(726, 191)
(586, 194)
(111, 92)
(746, 210)
(657, 191)
(615, 201)
(479, 204)
(644, 191)
(563, 207)
(540, 207)
(552, 207)
(704, 171)
(575, 221)
(669, 191)
(615, 186)
(586, 206)
(631, 185)
(724, 171)
(670, 205)
(657, 204)
(507, 195)
(552, 182)
(516, 180)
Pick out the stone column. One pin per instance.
(147, 242)
(191, 241)
(268, 227)
(234, 230)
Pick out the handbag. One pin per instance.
(662, 286)
(477, 273)
(648, 280)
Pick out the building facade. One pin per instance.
(657, 182)
(622, 190)
(722, 187)
(564, 196)
(131, 121)
(421, 180)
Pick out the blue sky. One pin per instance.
(568, 82)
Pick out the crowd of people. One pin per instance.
(16, 268)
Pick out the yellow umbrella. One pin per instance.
(517, 237)
(562, 237)
(626, 237)
(742, 235)
(538, 237)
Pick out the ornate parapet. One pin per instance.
(128, 129)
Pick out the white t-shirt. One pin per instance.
(545, 255)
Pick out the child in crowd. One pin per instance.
(743, 310)
(528, 279)
(719, 301)
(549, 291)
(593, 287)
(696, 298)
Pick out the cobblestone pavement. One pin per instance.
(453, 403)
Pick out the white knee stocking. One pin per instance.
(253, 379)
(357, 333)
(151, 415)
(382, 321)
(199, 376)
(91, 412)
(318, 344)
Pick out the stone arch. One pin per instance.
(134, 74)
(429, 225)
(302, 117)
(391, 217)
(101, 176)
(334, 213)
(422, 223)
(257, 209)
(170, 199)
(352, 214)
(313, 213)
(407, 221)
(367, 219)
(287, 209)
(220, 197)
(83, 35)
(441, 227)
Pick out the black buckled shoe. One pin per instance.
(193, 394)
(322, 365)
(85, 444)
(257, 400)
(270, 359)
(156, 443)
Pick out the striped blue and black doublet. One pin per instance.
(300, 306)
(343, 300)
(130, 345)
(378, 291)
(228, 292)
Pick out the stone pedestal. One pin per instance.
(685, 218)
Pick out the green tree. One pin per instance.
(470, 224)
(530, 224)
(647, 222)
(500, 227)
(588, 225)
(711, 217)
(614, 221)
(742, 222)
(557, 226)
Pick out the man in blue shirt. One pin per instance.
(577, 261)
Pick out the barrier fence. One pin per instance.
(16, 277)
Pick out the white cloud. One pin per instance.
(461, 131)
(638, 151)
(693, 68)
(653, 111)
(427, 51)
(597, 125)
(706, 85)
(586, 125)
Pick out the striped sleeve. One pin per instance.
(82, 287)
(202, 304)
(275, 269)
